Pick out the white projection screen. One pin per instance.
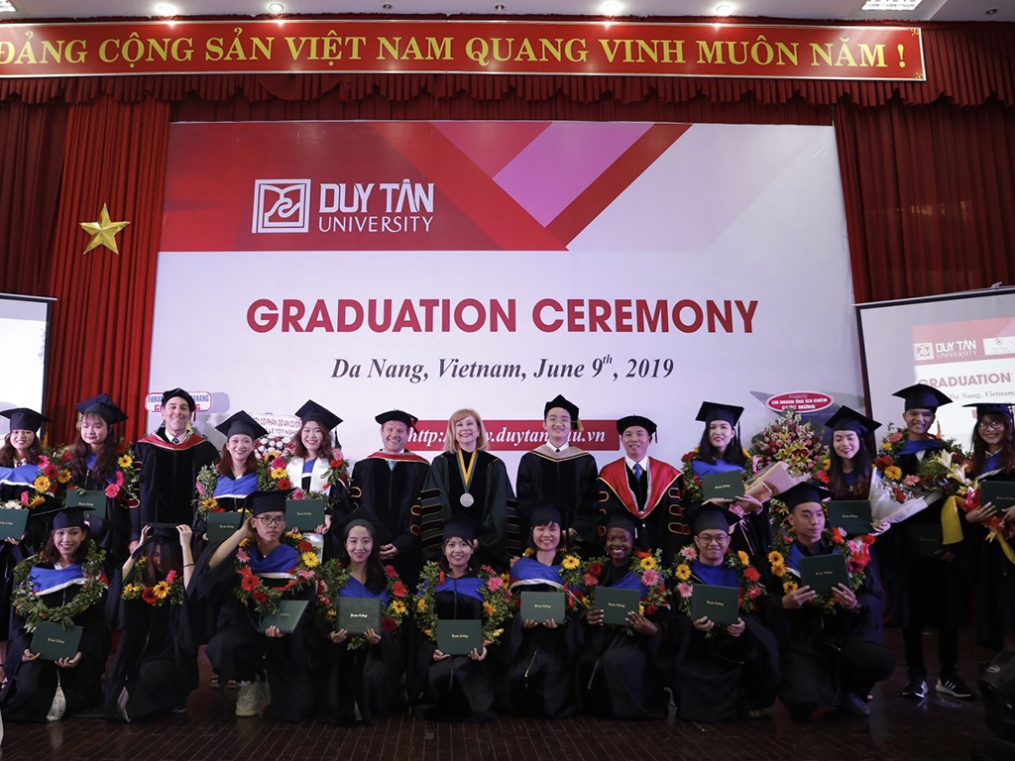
(24, 325)
(961, 343)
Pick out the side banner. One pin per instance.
(635, 268)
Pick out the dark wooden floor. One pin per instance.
(937, 728)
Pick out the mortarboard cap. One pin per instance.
(402, 417)
(272, 501)
(564, 404)
(313, 411)
(241, 423)
(621, 518)
(711, 411)
(544, 510)
(922, 397)
(711, 517)
(70, 517)
(802, 493)
(182, 394)
(102, 406)
(631, 420)
(848, 419)
(25, 419)
(982, 408)
(463, 526)
(364, 516)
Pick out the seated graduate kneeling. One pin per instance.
(831, 651)
(248, 575)
(720, 672)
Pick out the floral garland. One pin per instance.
(572, 574)
(207, 482)
(334, 576)
(170, 590)
(265, 598)
(498, 606)
(790, 440)
(942, 470)
(692, 489)
(857, 552)
(648, 567)
(127, 486)
(30, 606)
(751, 587)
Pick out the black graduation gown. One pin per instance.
(572, 480)
(621, 675)
(538, 675)
(394, 497)
(31, 685)
(492, 495)
(36, 532)
(995, 580)
(110, 531)
(366, 677)
(922, 591)
(240, 651)
(827, 654)
(714, 677)
(456, 688)
(168, 475)
(156, 658)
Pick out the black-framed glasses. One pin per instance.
(267, 520)
(708, 539)
(990, 425)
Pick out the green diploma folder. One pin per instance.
(542, 606)
(719, 604)
(459, 636)
(52, 642)
(999, 493)
(851, 515)
(728, 485)
(304, 514)
(87, 499)
(12, 523)
(357, 614)
(921, 540)
(616, 604)
(822, 572)
(222, 525)
(286, 618)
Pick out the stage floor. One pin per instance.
(936, 728)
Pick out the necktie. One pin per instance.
(391, 464)
(176, 439)
(638, 470)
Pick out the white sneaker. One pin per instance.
(248, 699)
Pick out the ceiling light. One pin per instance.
(7, 7)
(723, 10)
(991, 11)
(499, 7)
(890, 5)
(611, 8)
(164, 9)
(276, 7)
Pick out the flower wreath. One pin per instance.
(170, 590)
(264, 597)
(49, 480)
(648, 567)
(30, 606)
(127, 486)
(571, 574)
(857, 552)
(940, 470)
(207, 482)
(334, 576)
(692, 489)
(751, 587)
(498, 606)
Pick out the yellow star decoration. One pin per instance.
(103, 232)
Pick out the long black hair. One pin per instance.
(377, 578)
(861, 468)
(734, 454)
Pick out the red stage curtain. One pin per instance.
(929, 196)
(101, 334)
(33, 138)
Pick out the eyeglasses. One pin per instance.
(987, 425)
(269, 521)
(708, 539)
